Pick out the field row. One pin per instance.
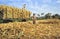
(27, 30)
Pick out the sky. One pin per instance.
(35, 6)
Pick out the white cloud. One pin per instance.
(47, 1)
(58, 1)
(28, 0)
(35, 7)
(39, 9)
(43, 9)
(13, 0)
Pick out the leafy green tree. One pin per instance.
(38, 15)
(57, 16)
(42, 13)
(48, 15)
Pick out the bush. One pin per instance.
(7, 20)
(1, 21)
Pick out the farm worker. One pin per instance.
(34, 19)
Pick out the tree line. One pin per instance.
(48, 16)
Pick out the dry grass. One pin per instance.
(43, 29)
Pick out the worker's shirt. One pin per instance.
(34, 17)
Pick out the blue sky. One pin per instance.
(36, 6)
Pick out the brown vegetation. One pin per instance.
(43, 29)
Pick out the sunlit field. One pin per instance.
(43, 29)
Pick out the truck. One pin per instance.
(9, 13)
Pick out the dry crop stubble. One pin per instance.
(28, 30)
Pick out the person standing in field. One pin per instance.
(34, 19)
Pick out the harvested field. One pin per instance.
(43, 29)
